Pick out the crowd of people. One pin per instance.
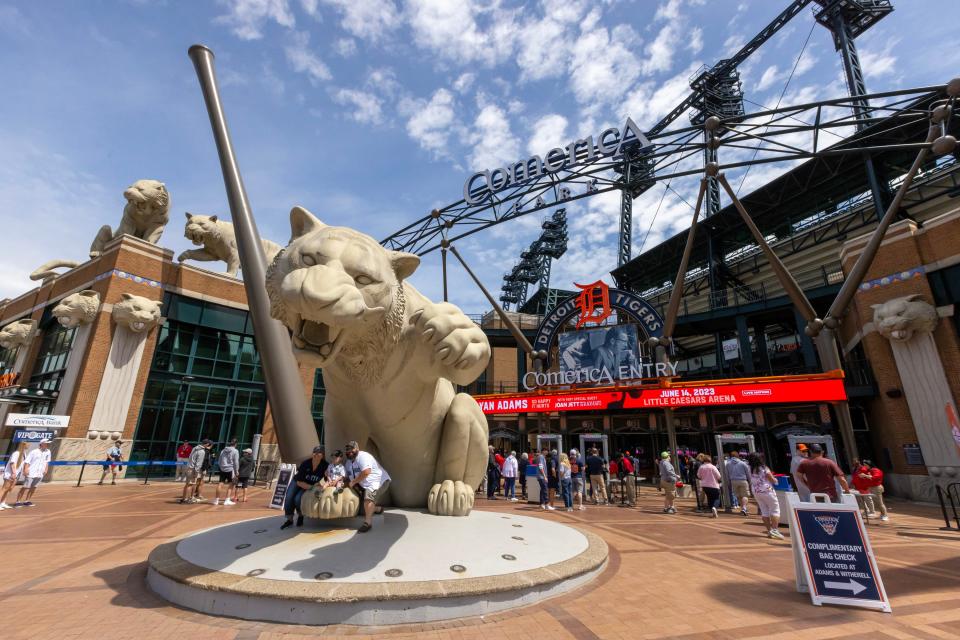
(575, 480)
(235, 470)
(572, 478)
(561, 477)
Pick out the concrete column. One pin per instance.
(746, 353)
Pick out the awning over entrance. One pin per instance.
(825, 387)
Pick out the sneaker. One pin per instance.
(4, 505)
(713, 512)
(216, 502)
(885, 518)
(286, 524)
(228, 502)
(550, 508)
(300, 520)
(582, 508)
(776, 534)
(543, 507)
(569, 508)
(743, 512)
(514, 500)
(17, 505)
(28, 504)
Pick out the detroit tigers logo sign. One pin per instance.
(593, 303)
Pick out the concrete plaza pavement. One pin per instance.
(74, 567)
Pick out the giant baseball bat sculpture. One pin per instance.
(291, 414)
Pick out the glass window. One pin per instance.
(225, 318)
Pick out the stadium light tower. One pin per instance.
(535, 263)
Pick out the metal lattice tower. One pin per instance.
(535, 262)
(846, 20)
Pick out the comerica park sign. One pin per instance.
(611, 142)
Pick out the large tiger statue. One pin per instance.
(390, 359)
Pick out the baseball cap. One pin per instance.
(815, 448)
(351, 445)
(248, 450)
(319, 449)
(46, 441)
(664, 455)
(801, 447)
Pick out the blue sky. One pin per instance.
(372, 112)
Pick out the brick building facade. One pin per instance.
(203, 347)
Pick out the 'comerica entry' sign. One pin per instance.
(782, 391)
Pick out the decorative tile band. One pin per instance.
(900, 276)
(117, 273)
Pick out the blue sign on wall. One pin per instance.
(32, 435)
(836, 553)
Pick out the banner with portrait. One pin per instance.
(613, 348)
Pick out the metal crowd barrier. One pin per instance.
(125, 463)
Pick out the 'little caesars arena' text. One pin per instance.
(696, 396)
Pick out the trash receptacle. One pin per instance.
(783, 487)
(533, 487)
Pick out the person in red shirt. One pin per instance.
(862, 481)
(876, 489)
(629, 482)
(183, 456)
(819, 474)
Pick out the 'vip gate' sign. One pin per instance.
(832, 554)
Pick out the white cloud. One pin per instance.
(246, 18)
(367, 19)
(345, 47)
(770, 75)
(463, 83)
(879, 63)
(548, 132)
(383, 81)
(365, 106)
(451, 30)
(544, 43)
(493, 142)
(647, 103)
(430, 121)
(603, 66)
(695, 42)
(303, 60)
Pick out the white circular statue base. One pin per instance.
(411, 567)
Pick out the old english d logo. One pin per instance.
(594, 303)
(828, 523)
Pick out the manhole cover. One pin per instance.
(518, 526)
(253, 573)
(242, 546)
(457, 568)
(323, 575)
(260, 531)
(393, 573)
(517, 537)
(507, 556)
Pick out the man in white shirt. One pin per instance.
(364, 471)
(34, 468)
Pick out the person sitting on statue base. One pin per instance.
(309, 473)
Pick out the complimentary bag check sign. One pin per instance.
(834, 560)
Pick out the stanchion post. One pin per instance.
(82, 467)
(146, 474)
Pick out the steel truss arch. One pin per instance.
(790, 133)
